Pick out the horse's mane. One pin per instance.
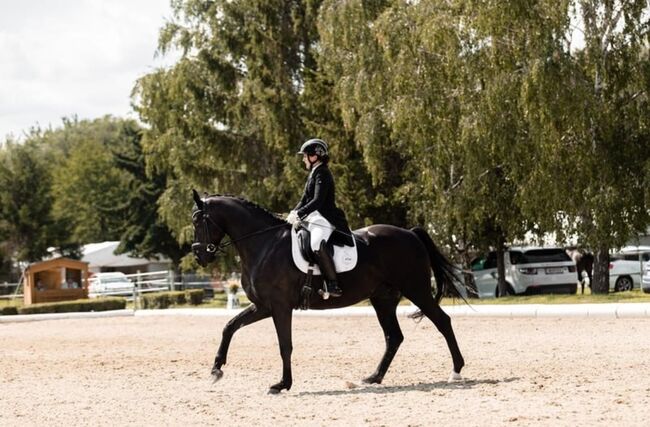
(252, 205)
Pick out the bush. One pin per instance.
(155, 300)
(8, 310)
(80, 305)
(167, 299)
(195, 296)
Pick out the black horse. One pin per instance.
(584, 265)
(393, 262)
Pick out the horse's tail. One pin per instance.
(445, 273)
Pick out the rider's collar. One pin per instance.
(315, 165)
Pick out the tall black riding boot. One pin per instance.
(326, 265)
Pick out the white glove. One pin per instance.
(293, 218)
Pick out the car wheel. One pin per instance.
(623, 283)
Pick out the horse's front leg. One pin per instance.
(282, 321)
(250, 315)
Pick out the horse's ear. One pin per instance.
(197, 199)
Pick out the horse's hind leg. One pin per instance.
(250, 315)
(385, 308)
(441, 320)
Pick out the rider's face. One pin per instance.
(306, 160)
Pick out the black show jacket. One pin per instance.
(319, 196)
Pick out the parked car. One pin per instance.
(645, 283)
(109, 283)
(528, 270)
(626, 266)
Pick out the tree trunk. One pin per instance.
(600, 284)
(468, 277)
(502, 285)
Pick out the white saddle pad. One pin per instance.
(345, 257)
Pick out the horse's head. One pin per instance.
(207, 233)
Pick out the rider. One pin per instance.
(318, 208)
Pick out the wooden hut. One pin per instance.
(58, 279)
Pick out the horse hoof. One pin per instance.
(372, 380)
(217, 374)
(274, 391)
(454, 377)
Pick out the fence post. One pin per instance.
(170, 280)
(136, 289)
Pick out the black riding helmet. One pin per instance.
(316, 147)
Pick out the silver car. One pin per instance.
(528, 270)
(626, 267)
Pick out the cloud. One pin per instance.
(74, 57)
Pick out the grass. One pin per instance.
(18, 302)
(614, 297)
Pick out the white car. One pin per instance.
(109, 283)
(528, 270)
(626, 266)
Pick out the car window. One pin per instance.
(539, 255)
(490, 261)
(477, 264)
(516, 257)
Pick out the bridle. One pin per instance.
(211, 248)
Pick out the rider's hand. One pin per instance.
(293, 218)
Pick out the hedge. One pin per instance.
(8, 310)
(167, 299)
(103, 304)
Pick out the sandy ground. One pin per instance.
(155, 371)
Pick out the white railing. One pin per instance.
(155, 281)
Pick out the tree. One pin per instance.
(26, 221)
(230, 115)
(595, 126)
(440, 84)
(145, 234)
(86, 185)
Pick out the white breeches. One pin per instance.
(320, 229)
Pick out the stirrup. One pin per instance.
(330, 290)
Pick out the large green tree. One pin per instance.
(86, 184)
(589, 109)
(145, 233)
(434, 89)
(27, 225)
(231, 114)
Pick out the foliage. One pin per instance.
(487, 121)
(8, 310)
(162, 300)
(82, 305)
(145, 233)
(589, 111)
(86, 185)
(27, 224)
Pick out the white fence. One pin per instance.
(156, 281)
(141, 283)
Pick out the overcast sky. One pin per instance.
(59, 58)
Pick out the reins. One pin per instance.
(212, 248)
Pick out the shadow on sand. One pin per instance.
(381, 389)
